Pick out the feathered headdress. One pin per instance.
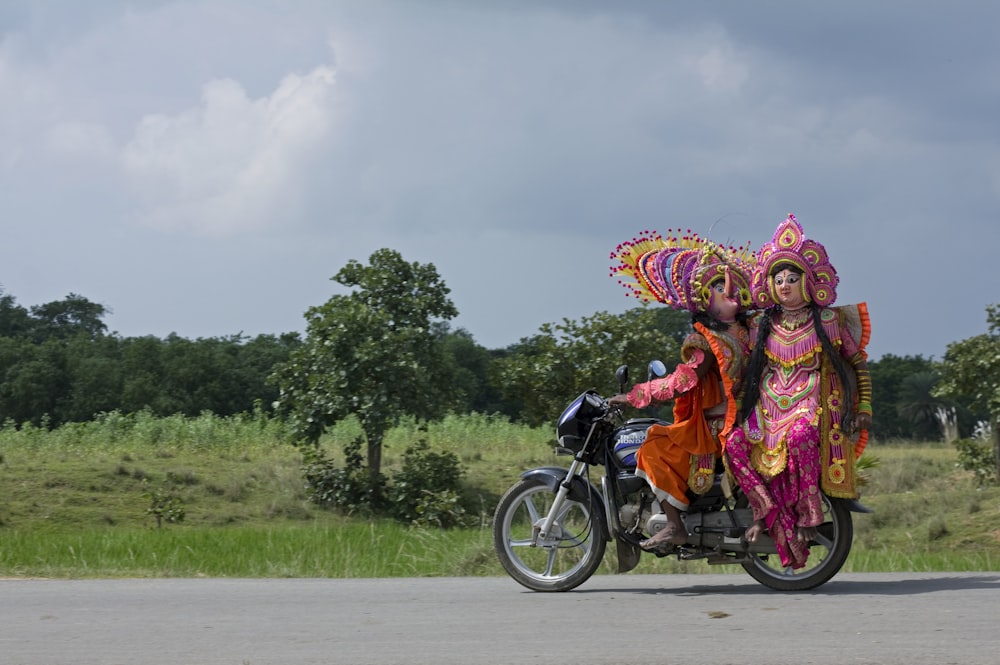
(677, 270)
(789, 245)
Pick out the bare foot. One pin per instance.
(670, 534)
(755, 531)
(806, 534)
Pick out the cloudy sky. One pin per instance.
(204, 167)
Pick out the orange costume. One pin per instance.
(713, 284)
(680, 457)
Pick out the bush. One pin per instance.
(425, 492)
(977, 456)
(937, 528)
(164, 506)
(349, 489)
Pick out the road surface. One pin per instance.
(883, 619)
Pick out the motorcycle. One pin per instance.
(552, 527)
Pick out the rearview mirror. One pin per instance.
(656, 368)
(622, 375)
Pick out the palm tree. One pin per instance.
(931, 416)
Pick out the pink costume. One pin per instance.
(794, 444)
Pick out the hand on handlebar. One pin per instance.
(620, 400)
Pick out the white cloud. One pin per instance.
(232, 162)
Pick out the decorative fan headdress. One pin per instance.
(789, 245)
(677, 270)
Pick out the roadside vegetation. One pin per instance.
(79, 501)
(359, 450)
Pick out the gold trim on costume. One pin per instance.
(769, 462)
(702, 474)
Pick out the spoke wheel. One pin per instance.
(827, 554)
(566, 558)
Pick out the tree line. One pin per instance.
(59, 364)
(385, 349)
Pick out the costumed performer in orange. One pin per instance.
(713, 284)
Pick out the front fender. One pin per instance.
(579, 489)
(553, 476)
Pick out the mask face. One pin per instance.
(722, 306)
(788, 288)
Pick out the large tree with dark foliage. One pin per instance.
(376, 353)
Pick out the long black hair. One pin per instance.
(758, 359)
(712, 323)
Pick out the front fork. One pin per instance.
(567, 484)
(542, 531)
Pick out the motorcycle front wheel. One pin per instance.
(566, 557)
(827, 554)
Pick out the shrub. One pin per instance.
(937, 528)
(425, 491)
(165, 506)
(349, 488)
(977, 456)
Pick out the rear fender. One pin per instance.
(854, 505)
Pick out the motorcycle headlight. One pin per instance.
(575, 421)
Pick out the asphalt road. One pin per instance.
(883, 619)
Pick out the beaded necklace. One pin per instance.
(792, 319)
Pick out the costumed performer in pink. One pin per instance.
(807, 402)
(713, 284)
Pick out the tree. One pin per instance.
(971, 372)
(14, 319)
(547, 370)
(930, 415)
(72, 316)
(95, 375)
(58, 365)
(472, 362)
(374, 353)
(890, 374)
(35, 383)
(142, 369)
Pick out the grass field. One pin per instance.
(75, 503)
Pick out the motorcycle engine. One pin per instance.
(655, 522)
(642, 513)
(637, 512)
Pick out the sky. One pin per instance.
(205, 167)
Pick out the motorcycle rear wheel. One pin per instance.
(827, 554)
(564, 560)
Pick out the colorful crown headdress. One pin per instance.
(789, 245)
(677, 270)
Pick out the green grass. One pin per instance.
(382, 549)
(74, 502)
